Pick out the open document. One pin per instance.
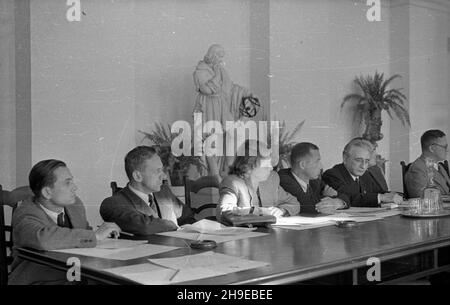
(185, 268)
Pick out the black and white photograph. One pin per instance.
(212, 146)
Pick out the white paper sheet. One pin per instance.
(300, 220)
(214, 228)
(120, 254)
(185, 268)
(216, 238)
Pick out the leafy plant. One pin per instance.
(177, 167)
(375, 98)
(286, 143)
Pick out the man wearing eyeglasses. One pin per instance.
(354, 180)
(435, 147)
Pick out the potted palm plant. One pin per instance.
(175, 167)
(375, 98)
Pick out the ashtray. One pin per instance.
(203, 244)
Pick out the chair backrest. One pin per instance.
(405, 168)
(194, 186)
(445, 164)
(114, 187)
(10, 199)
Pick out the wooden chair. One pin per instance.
(194, 186)
(114, 187)
(445, 164)
(405, 168)
(10, 199)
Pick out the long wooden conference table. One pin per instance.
(408, 248)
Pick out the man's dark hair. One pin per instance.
(429, 137)
(42, 175)
(301, 150)
(134, 160)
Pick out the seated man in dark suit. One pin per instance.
(145, 206)
(435, 148)
(354, 180)
(53, 219)
(302, 181)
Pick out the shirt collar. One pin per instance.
(53, 215)
(140, 194)
(351, 175)
(302, 183)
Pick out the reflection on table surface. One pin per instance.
(297, 255)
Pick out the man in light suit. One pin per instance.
(435, 147)
(354, 180)
(53, 219)
(145, 206)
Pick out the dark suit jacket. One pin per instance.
(33, 228)
(363, 195)
(134, 216)
(308, 200)
(378, 177)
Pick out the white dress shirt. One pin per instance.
(51, 214)
(302, 183)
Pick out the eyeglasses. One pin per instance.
(362, 161)
(443, 146)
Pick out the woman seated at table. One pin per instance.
(253, 187)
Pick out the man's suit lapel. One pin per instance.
(138, 203)
(441, 179)
(345, 174)
(75, 217)
(291, 175)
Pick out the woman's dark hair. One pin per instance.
(246, 163)
(42, 175)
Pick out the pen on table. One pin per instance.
(173, 275)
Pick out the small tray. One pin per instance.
(415, 215)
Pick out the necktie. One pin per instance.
(444, 174)
(153, 204)
(60, 220)
(359, 184)
(308, 189)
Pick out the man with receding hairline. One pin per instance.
(354, 180)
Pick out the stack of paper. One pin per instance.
(185, 268)
(206, 226)
(211, 230)
(353, 214)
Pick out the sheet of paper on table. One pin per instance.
(120, 254)
(185, 268)
(206, 226)
(216, 238)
